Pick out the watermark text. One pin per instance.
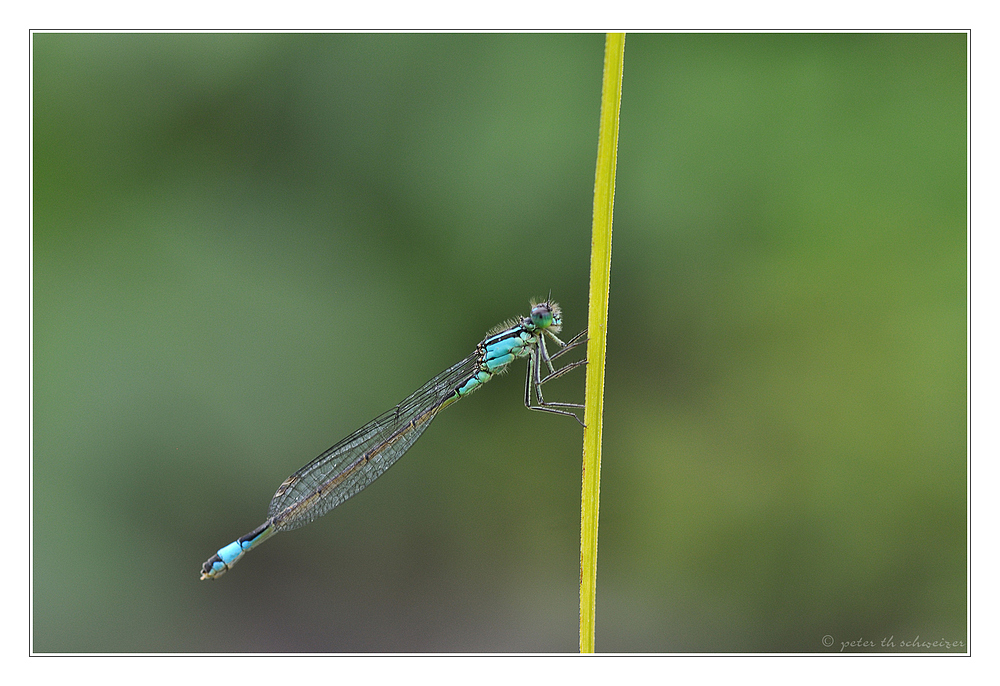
(893, 643)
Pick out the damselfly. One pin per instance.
(353, 463)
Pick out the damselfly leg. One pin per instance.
(535, 380)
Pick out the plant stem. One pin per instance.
(597, 325)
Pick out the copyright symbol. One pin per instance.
(828, 640)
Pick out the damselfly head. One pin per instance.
(546, 315)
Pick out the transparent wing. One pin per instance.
(353, 463)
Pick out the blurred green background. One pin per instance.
(246, 246)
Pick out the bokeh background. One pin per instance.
(246, 246)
